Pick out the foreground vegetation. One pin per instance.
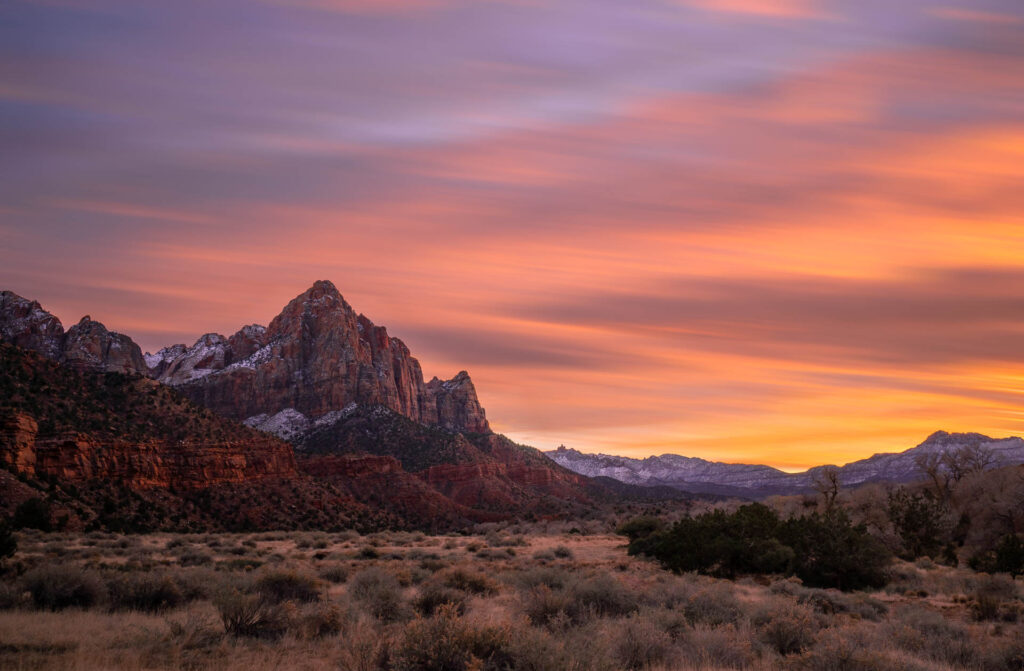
(511, 598)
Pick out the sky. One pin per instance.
(787, 232)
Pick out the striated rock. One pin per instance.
(18, 441)
(318, 356)
(150, 464)
(88, 345)
(71, 425)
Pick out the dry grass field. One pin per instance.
(500, 599)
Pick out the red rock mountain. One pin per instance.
(318, 356)
(87, 345)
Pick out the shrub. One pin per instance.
(823, 550)
(1007, 557)
(145, 592)
(639, 644)
(335, 573)
(562, 552)
(318, 620)
(603, 596)
(58, 587)
(714, 605)
(434, 595)
(445, 642)
(8, 543)
(994, 598)
(469, 581)
(380, 594)
(249, 615)
(786, 628)
(33, 513)
(287, 586)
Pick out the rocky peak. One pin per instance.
(87, 345)
(26, 324)
(319, 356)
(457, 405)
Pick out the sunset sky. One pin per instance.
(787, 232)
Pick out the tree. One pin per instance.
(827, 484)
(8, 543)
(921, 522)
(33, 514)
(1010, 555)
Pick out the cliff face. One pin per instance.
(73, 425)
(318, 356)
(88, 345)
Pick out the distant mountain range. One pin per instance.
(696, 475)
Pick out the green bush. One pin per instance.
(823, 550)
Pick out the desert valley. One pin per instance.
(571, 335)
(296, 495)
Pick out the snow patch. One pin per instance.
(286, 424)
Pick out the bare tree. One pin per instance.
(931, 464)
(827, 484)
(973, 458)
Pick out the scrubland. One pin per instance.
(513, 598)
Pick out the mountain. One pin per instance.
(112, 443)
(124, 452)
(87, 345)
(316, 357)
(696, 475)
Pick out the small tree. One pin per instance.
(921, 522)
(33, 514)
(1010, 555)
(8, 543)
(827, 484)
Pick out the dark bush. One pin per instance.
(921, 521)
(8, 543)
(58, 587)
(282, 586)
(146, 592)
(434, 595)
(33, 514)
(249, 615)
(823, 550)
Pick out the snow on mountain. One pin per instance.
(700, 475)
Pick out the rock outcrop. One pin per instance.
(90, 346)
(87, 345)
(318, 356)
